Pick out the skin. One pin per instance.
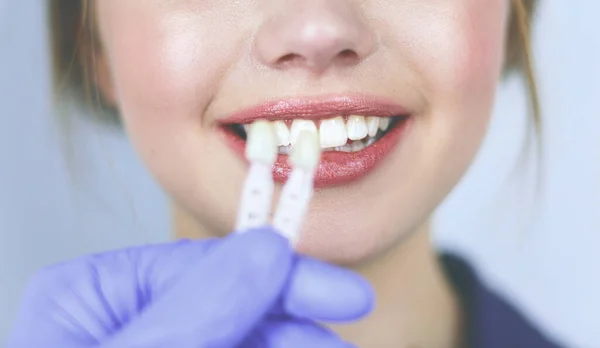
(175, 68)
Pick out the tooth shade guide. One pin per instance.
(298, 190)
(300, 126)
(293, 204)
(257, 192)
(307, 152)
(261, 145)
(346, 162)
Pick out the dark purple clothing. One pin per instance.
(491, 322)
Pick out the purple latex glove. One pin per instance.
(245, 290)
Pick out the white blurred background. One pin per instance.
(539, 252)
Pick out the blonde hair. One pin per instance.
(74, 47)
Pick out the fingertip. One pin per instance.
(294, 333)
(263, 241)
(325, 292)
(268, 232)
(259, 254)
(366, 292)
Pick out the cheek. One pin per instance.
(461, 58)
(163, 64)
(457, 54)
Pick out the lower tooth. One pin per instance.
(357, 145)
(344, 148)
(284, 150)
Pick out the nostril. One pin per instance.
(291, 58)
(348, 56)
(348, 53)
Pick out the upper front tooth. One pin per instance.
(332, 133)
(298, 126)
(373, 125)
(282, 133)
(356, 127)
(384, 123)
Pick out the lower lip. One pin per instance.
(335, 168)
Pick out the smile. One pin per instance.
(355, 133)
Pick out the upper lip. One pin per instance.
(316, 108)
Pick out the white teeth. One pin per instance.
(282, 133)
(356, 127)
(384, 123)
(373, 125)
(332, 133)
(300, 125)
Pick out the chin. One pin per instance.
(341, 245)
(343, 229)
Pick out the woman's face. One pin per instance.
(183, 71)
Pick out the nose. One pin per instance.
(313, 35)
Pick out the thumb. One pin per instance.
(220, 298)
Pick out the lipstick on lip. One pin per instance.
(335, 168)
(317, 108)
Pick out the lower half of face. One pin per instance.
(400, 91)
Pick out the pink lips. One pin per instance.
(318, 108)
(335, 168)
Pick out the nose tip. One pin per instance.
(317, 45)
(314, 39)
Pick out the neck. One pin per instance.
(415, 305)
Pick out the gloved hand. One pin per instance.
(245, 290)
